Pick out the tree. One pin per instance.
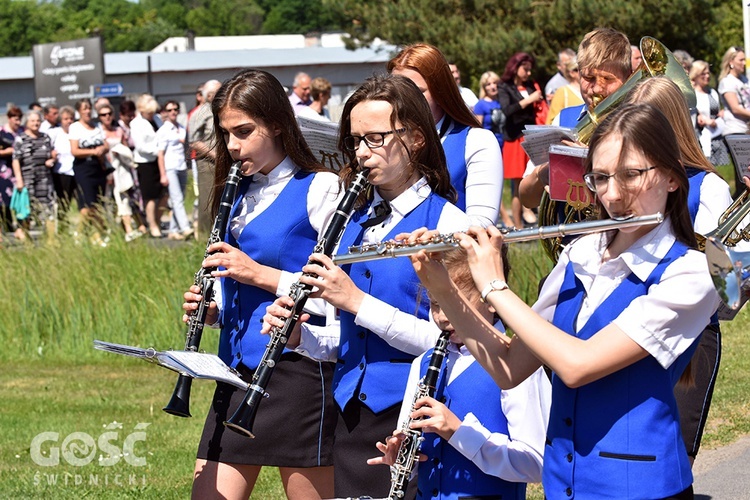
(225, 17)
(481, 35)
(299, 16)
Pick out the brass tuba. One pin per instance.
(657, 61)
(729, 268)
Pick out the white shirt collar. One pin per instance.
(641, 257)
(283, 170)
(406, 201)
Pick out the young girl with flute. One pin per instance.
(479, 440)
(285, 201)
(387, 127)
(616, 321)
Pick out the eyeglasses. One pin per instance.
(169, 110)
(628, 178)
(373, 139)
(105, 114)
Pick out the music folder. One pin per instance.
(192, 364)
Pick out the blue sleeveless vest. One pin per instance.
(454, 146)
(447, 474)
(695, 178)
(619, 436)
(368, 368)
(569, 116)
(280, 237)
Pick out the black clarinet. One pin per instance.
(179, 404)
(242, 420)
(408, 452)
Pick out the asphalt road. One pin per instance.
(723, 473)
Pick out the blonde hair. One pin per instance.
(663, 94)
(484, 79)
(697, 69)
(146, 104)
(606, 48)
(726, 61)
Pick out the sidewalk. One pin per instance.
(723, 473)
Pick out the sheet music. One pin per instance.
(539, 138)
(739, 148)
(193, 364)
(322, 137)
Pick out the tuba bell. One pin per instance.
(729, 267)
(657, 61)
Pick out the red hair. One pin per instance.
(428, 61)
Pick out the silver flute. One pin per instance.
(408, 452)
(445, 242)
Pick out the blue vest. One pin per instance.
(368, 368)
(454, 146)
(280, 237)
(619, 436)
(695, 178)
(569, 116)
(447, 474)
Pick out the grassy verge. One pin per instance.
(58, 299)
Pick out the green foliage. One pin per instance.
(299, 16)
(225, 17)
(481, 35)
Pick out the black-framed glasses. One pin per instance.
(373, 139)
(105, 114)
(171, 109)
(626, 178)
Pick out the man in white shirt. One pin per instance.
(466, 93)
(51, 113)
(557, 81)
(300, 95)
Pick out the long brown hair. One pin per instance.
(411, 111)
(665, 95)
(259, 95)
(429, 62)
(645, 129)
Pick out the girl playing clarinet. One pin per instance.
(285, 201)
(387, 127)
(616, 321)
(479, 440)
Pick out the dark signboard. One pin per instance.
(65, 72)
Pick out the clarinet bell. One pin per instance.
(179, 403)
(243, 419)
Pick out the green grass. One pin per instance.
(58, 299)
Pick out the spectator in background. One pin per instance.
(635, 57)
(199, 100)
(151, 178)
(51, 113)
(519, 98)
(127, 113)
(685, 59)
(63, 176)
(559, 80)
(321, 93)
(709, 123)
(8, 134)
(170, 143)
(300, 95)
(33, 159)
(35, 106)
(570, 94)
(200, 137)
(466, 93)
(89, 148)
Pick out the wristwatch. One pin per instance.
(491, 287)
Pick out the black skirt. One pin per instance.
(91, 180)
(294, 426)
(148, 179)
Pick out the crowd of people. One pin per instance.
(606, 383)
(136, 155)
